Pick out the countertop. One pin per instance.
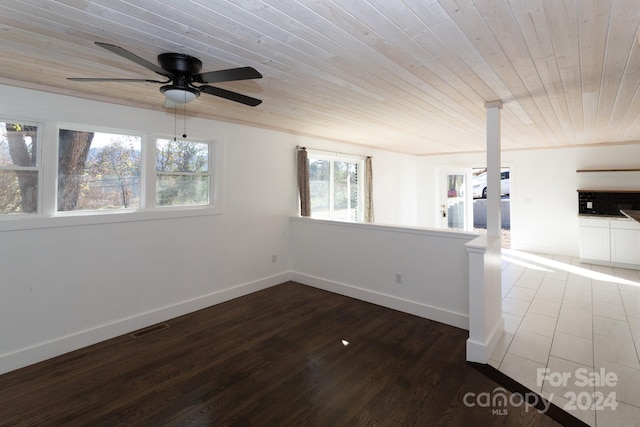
(631, 214)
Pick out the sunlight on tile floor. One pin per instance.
(572, 334)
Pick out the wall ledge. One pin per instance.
(391, 227)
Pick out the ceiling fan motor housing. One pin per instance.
(182, 67)
(179, 63)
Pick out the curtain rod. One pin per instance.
(299, 147)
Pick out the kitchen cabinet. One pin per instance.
(595, 239)
(625, 241)
(606, 241)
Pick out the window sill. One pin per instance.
(71, 219)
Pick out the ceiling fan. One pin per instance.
(183, 73)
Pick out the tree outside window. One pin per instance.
(182, 173)
(98, 171)
(19, 168)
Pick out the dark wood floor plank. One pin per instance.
(272, 358)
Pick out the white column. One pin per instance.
(493, 167)
(485, 273)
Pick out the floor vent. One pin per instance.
(151, 329)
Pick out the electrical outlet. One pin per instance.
(398, 278)
(274, 258)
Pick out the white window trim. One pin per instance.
(332, 157)
(48, 216)
(39, 159)
(210, 174)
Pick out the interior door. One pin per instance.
(455, 199)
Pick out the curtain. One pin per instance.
(368, 190)
(303, 182)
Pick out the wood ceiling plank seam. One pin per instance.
(314, 65)
(379, 106)
(27, 65)
(333, 136)
(341, 82)
(427, 39)
(176, 39)
(459, 46)
(441, 23)
(627, 107)
(516, 79)
(633, 128)
(278, 34)
(267, 123)
(563, 30)
(67, 48)
(128, 63)
(474, 27)
(437, 88)
(444, 77)
(133, 64)
(60, 58)
(332, 77)
(531, 18)
(53, 28)
(593, 17)
(519, 67)
(71, 17)
(73, 28)
(342, 53)
(631, 117)
(621, 43)
(488, 70)
(409, 54)
(408, 90)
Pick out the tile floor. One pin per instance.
(580, 322)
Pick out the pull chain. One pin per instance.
(175, 121)
(184, 117)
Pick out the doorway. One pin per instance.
(455, 200)
(479, 191)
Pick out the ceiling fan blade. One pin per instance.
(242, 73)
(134, 58)
(232, 96)
(99, 79)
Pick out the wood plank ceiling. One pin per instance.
(405, 75)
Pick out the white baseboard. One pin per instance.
(438, 314)
(481, 351)
(57, 346)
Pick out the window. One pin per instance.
(335, 186)
(182, 173)
(80, 175)
(98, 170)
(20, 168)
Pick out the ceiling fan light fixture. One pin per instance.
(180, 95)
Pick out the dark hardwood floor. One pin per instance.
(272, 358)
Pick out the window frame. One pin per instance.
(209, 174)
(48, 215)
(38, 168)
(339, 157)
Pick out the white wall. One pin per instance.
(544, 184)
(361, 261)
(66, 287)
